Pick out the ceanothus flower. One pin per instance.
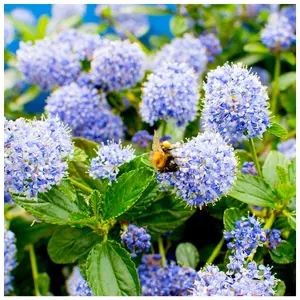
(171, 280)
(9, 32)
(35, 154)
(263, 75)
(235, 104)
(170, 92)
(249, 168)
(109, 158)
(24, 16)
(47, 63)
(273, 239)
(77, 285)
(64, 11)
(118, 65)
(288, 148)
(136, 240)
(10, 263)
(86, 112)
(207, 167)
(290, 13)
(212, 45)
(187, 49)
(278, 34)
(7, 197)
(142, 138)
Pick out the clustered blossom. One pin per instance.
(9, 32)
(118, 65)
(242, 278)
(86, 112)
(187, 49)
(170, 92)
(212, 45)
(10, 263)
(77, 285)
(171, 280)
(273, 239)
(278, 34)
(35, 154)
(7, 197)
(136, 24)
(290, 13)
(264, 75)
(24, 16)
(207, 167)
(109, 158)
(64, 11)
(288, 148)
(249, 168)
(47, 63)
(142, 138)
(136, 240)
(235, 104)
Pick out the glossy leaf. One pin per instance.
(283, 254)
(42, 27)
(231, 215)
(292, 220)
(292, 171)
(187, 255)
(277, 130)
(256, 48)
(286, 80)
(178, 25)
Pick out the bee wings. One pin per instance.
(156, 143)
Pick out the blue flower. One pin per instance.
(86, 112)
(170, 92)
(10, 263)
(64, 11)
(273, 239)
(235, 104)
(24, 16)
(47, 63)
(35, 154)
(288, 148)
(207, 170)
(142, 138)
(136, 240)
(9, 32)
(109, 158)
(212, 45)
(7, 197)
(171, 280)
(278, 34)
(290, 13)
(77, 285)
(263, 75)
(118, 65)
(187, 49)
(249, 168)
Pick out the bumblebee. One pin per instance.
(161, 156)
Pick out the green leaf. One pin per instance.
(277, 130)
(187, 255)
(288, 57)
(178, 25)
(164, 215)
(143, 9)
(111, 272)
(253, 190)
(273, 160)
(256, 48)
(280, 288)
(95, 203)
(250, 59)
(284, 253)
(53, 206)
(27, 31)
(292, 171)
(292, 220)
(43, 283)
(282, 174)
(79, 155)
(286, 80)
(70, 22)
(42, 27)
(158, 41)
(285, 191)
(9, 58)
(29, 95)
(89, 147)
(68, 244)
(124, 192)
(231, 215)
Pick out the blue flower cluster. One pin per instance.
(35, 153)
(7, 197)
(278, 34)
(235, 104)
(9, 32)
(24, 16)
(86, 112)
(187, 49)
(263, 75)
(63, 11)
(207, 170)
(77, 285)
(118, 65)
(109, 158)
(273, 238)
(136, 24)
(170, 92)
(290, 13)
(288, 148)
(212, 45)
(249, 168)
(142, 138)
(136, 240)
(10, 263)
(171, 280)
(47, 63)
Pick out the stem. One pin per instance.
(216, 252)
(254, 157)
(162, 250)
(34, 269)
(275, 84)
(81, 186)
(271, 220)
(164, 128)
